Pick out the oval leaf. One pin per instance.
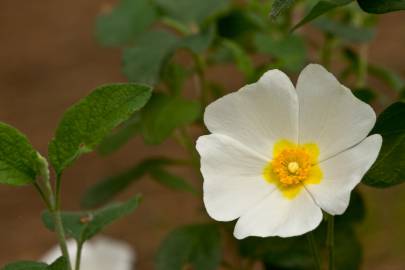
(381, 6)
(85, 124)
(18, 159)
(389, 169)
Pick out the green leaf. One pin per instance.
(174, 76)
(345, 31)
(106, 189)
(236, 24)
(289, 51)
(242, 59)
(18, 159)
(192, 11)
(143, 63)
(164, 114)
(84, 225)
(170, 180)
(365, 94)
(198, 42)
(279, 6)
(121, 135)
(381, 6)
(59, 264)
(320, 8)
(87, 123)
(125, 22)
(25, 265)
(391, 78)
(197, 246)
(389, 169)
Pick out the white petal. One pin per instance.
(342, 173)
(258, 114)
(329, 114)
(277, 215)
(233, 176)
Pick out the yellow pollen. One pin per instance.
(293, 167)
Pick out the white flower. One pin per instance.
(277, 156)
(102, 253)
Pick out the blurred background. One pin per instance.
(49, 59)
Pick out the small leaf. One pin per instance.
(60, 264)
(105, 190)
(143, 62)
(87, 123)
(164, 114)
(170, 180)
(198, 246)
(389, 169)
(192, 11)
(125, 22)
(381, 6)
(289, 52)
(345, 31)
(320, 8)
(18, 159)
(280, 5)
(25, 265)
(242, 59)
(365, 94)
(84, 225)
(199, 42)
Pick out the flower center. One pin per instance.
(292, 166)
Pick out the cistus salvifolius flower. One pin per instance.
(278, 155)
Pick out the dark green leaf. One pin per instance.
(322, 7)
(192, 11)
(164, 114)
(198, 246)
(290, 51)
(125, 22)
(280, 5)
(381, 6)
(87, 123)
(170, 180)
(345, 31)
(144, 62)
(25, 265)
(236, 23)
(392, 79)
(84, 225)
(121, 136)
(60, 264)
(389, 169)
(18, 159)
(365, 94)
(105, 190)
(242, 59)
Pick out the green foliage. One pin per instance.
(143, 63)
(289, 52)
(85, 124)
(197, 246)
(125, 22)
(198, 42)
(164, 114)
(59, 264)
(279, 5)
(18, 159)
(365, 94)
(84, 225)
(391, 78)
(381, 6)
(389, 169)
(242, 59)
(105, 190)
(322, 7)
(192, 11)
(237, 23)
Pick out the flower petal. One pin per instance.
(277, 215)
(329, 114)
(258, 114)
(233, 176)
(342, 173)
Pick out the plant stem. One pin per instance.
(326, 51)
(78, 255)
(330, 241)
(363, 66)
(60, 232)
(201, 84)
(184, 140)
(314, 250)
(43, 196)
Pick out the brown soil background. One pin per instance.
(49, 60)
